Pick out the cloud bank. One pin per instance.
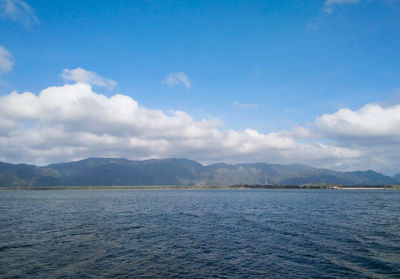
(72, 122)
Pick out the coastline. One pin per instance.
(233, 187)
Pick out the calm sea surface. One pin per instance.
(200, 234)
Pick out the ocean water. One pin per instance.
(200, 234)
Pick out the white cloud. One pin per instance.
(6, 60)
(238, 105)
(18, 10)
(329, 4)
(173, 79)
(72, 121)
(89, 77)
(369, 122)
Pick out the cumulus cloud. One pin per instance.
(72, 122)
(173, 79)
(18, 10)
(369, 122)
(238, 105)
(89, 77)
(6, 60)
(329, 4)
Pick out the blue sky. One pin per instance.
(269, 66)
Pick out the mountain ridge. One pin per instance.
(178, 171)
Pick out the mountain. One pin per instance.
(397, 177)
(123, 172)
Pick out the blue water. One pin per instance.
(200, 234)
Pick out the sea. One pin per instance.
(203, 233)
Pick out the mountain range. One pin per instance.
(180, 172)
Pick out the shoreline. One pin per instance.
(172, 187)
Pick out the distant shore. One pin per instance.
(172, 187)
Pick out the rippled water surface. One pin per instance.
(200, 234)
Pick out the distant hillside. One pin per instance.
(182, 172)
(397, 177)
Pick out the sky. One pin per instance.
(288, 82)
